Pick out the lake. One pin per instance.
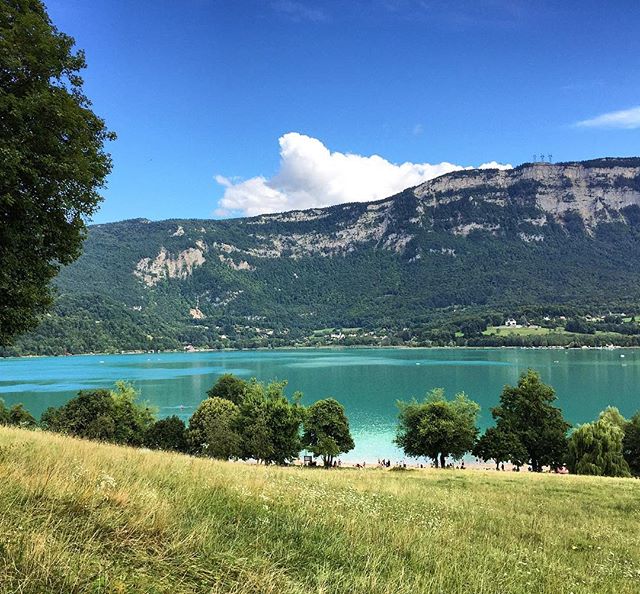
(367, 381)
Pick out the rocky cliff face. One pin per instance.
(524, 203)
(597, 191)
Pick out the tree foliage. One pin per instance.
(229, 387)
(437, 427)
(500, 445)
(107, 415)
(213, 429)
(52, 160)
(269, 423)
(17, 415)
(167, 434)
(326, 430)
(596, 448)
(526, 411)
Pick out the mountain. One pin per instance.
(479, 242)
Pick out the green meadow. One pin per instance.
(78, 516)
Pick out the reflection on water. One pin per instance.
(367, 381)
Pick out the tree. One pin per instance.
(269, 423)
(579, 326)
(21, 417)
(167, 434)
(106, 415)
(631, 444)
(526, 411)
(52, 160)
(613, 416)
(501, 446)
(131, 419)
(17, 415)
(87, 415)
(596, 448)
(437, 427)
(473, 327)
(212, 429)
(228, 387)
(326, 430)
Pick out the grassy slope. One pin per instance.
(81, 517)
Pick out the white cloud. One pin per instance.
(627, 119)
(310, 176)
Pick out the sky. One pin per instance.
(237, 107)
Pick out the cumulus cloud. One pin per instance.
(310, 176)
(627, 119)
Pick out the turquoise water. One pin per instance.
(367, 381)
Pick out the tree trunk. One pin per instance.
(442, 461)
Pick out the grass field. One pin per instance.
(77, 516)
(524, 331)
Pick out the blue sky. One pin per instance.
(285, 100)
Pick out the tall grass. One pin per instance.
(77, 516)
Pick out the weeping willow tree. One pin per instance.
(596, 448)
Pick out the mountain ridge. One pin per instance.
(539, 234)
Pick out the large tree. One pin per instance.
(527, 412)
(52, 160)
(437, 427)
(212, 429)
(326, 430)
(596, 448)
(269, 423)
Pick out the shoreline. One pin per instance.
(471, 465)
(327, 347)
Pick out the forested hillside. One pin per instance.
(540, 242)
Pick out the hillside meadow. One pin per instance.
(77, 516)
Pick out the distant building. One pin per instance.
(511, 323)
